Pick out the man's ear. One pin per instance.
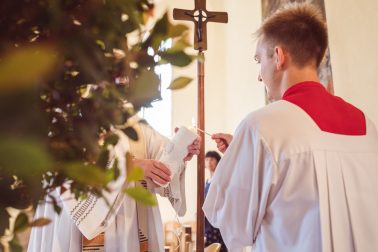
(280, 56)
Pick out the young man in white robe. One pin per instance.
(91, 225)
(301, 173)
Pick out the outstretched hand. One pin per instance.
(223, 140)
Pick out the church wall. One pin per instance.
(353, 41)
(231, 86)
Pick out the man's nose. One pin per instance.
(259, 78)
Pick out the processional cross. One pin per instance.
(200, 16)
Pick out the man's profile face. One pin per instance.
(211, 163)
(265, 57)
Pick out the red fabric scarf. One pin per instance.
(331, 113)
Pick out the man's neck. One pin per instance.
(295, 75)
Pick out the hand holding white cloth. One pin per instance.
(176, 150)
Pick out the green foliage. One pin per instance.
(142, 195)
(86, 174)
(180, 83)
(35, 62)
(136, 174)
(21, 223)
(11, 162)
(67, 69)
(131, 133)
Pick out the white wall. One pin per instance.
(353, 37)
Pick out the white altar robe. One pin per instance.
(121, 234)
(285, 185)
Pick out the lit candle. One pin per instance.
(194, 126)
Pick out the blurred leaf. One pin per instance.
(90, 175)
(111, 139)
(40, 222)
(142, 195)
(57, 208)
(14, 245)
(101, 44)
(176, 58)
(21, 223)
(161, 26)
(24, 157)
(145, 89)
(4, 220)
(180, 83)
(23, 66)
(103, 158)
(144, 59)
(131, 133)
(115, 170)
(179, 45)
(177, 30)
(136, 174)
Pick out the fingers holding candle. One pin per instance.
(222, 140)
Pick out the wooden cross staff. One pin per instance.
(200, 16)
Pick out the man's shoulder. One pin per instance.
(270, 114)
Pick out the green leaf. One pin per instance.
(22, 222)
(145, 88)
(180, 83)
(23, 157)
(176, 58)
(90, 175)
(131, 133)
(23, 66)
(111, 139)
(142, 195)
(14, 245)
(101, 44)
(177, 30)
(103, 158)
(57, 208)
(115, 172)
(40, 222)
(136, 174)
(179, 45)
(161, 26)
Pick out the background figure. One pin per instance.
(212, 234)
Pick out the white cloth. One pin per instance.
(121, 232)
(284, 185)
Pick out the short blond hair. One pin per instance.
(300, 29)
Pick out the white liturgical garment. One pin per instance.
(120, 227)
(285, 185)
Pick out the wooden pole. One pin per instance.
(200, 16)
(201, 157)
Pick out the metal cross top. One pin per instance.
(200, 16)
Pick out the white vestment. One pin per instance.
(121, 233)
(285, 185)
